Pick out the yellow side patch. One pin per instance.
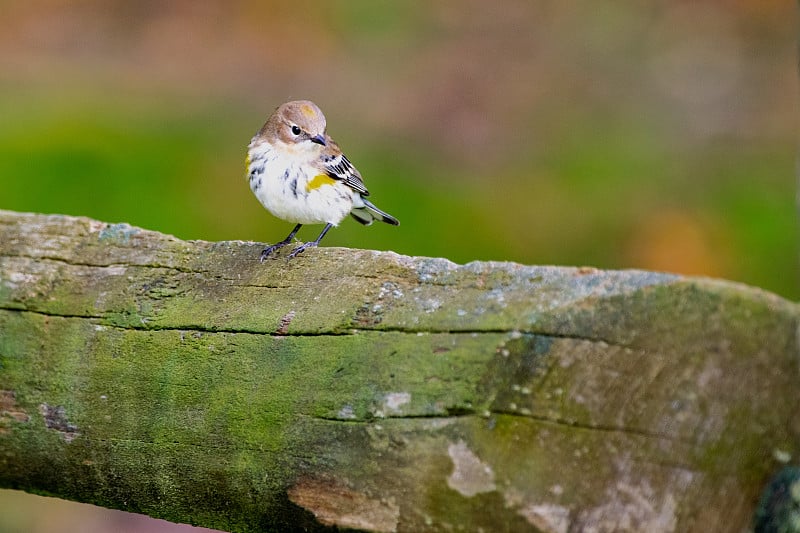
(318, 181)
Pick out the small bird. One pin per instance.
(301, 175)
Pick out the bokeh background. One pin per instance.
(625, 134)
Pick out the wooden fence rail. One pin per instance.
(374, 391)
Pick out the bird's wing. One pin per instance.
(337, 166)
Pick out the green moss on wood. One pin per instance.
(190, 382)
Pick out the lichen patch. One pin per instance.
(120, 233)
(15, 279)
(395, 400)
(633, 508)
(470, 475)
(346, 413)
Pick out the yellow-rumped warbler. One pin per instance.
(301, 175)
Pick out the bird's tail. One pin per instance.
(366, 212)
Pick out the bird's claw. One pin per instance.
(300, 249)
(269, 249)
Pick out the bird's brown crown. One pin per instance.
(284, 123)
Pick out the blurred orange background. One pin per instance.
(656, 135)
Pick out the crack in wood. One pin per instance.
(344, 332)
(63, 260)
(489, 414)
(575, 424)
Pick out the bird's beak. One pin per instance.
(319, 139)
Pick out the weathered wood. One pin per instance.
(188, 381)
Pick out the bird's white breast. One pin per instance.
(281, 184)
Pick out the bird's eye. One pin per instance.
(296, 130)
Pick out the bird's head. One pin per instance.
(299, 124)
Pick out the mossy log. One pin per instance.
(369, 390)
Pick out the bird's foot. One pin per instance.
(269, 249)
(302, 247)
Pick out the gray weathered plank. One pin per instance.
(363, 389)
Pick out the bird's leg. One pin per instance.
(278, 245)
(312, 243)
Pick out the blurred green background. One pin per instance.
(656, 135)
